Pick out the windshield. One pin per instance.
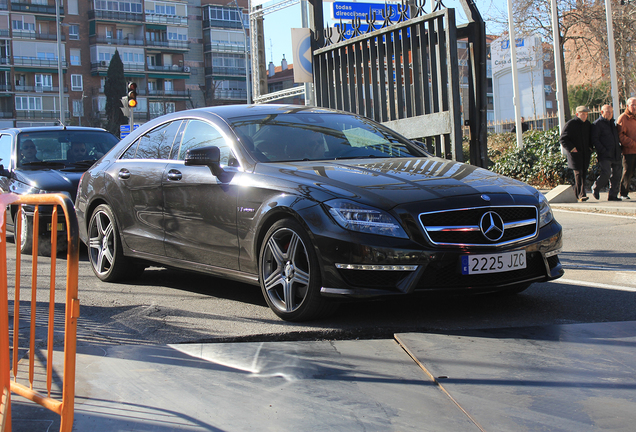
(319, 136)
(62, 148)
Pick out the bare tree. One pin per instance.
(583, 38)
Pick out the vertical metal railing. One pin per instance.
(404, 75)
(11, 376)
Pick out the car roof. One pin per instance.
(18, 130)
(231, 111)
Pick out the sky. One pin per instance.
(278, 25)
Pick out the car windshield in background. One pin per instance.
(319, 136)
(62, 148)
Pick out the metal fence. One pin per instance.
(19, 358)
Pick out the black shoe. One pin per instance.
(596, 194)
(614, 198)
(583, 198)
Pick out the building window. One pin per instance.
(43, 82)
(28, 103)
(75, 57)
(547, 57)
(548, 89)
(547, 73)
(76, 83)
(548, 104)
(156, 108)
(170, 107)
(78, 108)
(73, 31)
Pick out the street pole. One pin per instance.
(516, 100)
(556, 43)
(612, 56)
(309, 100)
(59, 60)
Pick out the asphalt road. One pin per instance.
(169, 306)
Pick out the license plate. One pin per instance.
(493, 263)
(60, 226)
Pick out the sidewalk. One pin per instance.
(625, 207)
(576, 377)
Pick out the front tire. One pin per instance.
(26, 233)
(289, 273)
(105, 250)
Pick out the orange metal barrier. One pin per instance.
(9, 373)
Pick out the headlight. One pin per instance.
(361, 218)
(545, 212)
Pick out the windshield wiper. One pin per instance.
(42, 164)
(361, 157)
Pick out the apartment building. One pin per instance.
(153, 39)
(225, 44)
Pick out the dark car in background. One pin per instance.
(312, 204)
(36, 160)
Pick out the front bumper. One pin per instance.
(436, 270)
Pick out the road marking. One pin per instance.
(584, 267)
(596, 285)
(594, 213)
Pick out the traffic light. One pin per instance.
(132, 94)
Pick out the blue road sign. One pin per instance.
(347, 11)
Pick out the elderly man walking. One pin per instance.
(608, 152)
(575, 139)
(627, 136)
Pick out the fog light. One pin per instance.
(373, 267)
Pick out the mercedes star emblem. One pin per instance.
(492, 226)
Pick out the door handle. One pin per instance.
(174, 175)
(124, 174)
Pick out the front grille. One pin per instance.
(448, 275)
(462, 227)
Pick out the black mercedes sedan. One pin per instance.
(49, 159)
(313, 205)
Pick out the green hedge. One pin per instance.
(539, 163)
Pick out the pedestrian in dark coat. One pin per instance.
(608, 152)
(576, 140)
(627, 135)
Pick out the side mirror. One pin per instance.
(205, 156)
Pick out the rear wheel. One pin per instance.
(105, 250)
(290, 274)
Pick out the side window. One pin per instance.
(5, 150)
(156, 144)
(201, 134)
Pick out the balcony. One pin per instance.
(5, 60)
(169, 68)
(5, 87)
(221, 24)
(225, 71)
(33, 8)
(4, 5)
(128, 67)
(169, 93)
(25, 34)
(4, 33)
(19, 114)
(115, 16)
(27, 61)
(165, 19)
(230, 94)
(100, 90)
(39, 89)
(93, 40)
(225, 47)
(169, 44)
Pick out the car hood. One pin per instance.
(50, 180)
(394, 182)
